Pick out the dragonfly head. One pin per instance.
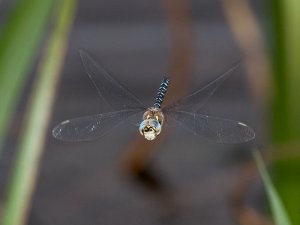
(150, 128)
(152, 122)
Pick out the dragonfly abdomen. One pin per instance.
(161, 92)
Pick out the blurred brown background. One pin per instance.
(190, 180)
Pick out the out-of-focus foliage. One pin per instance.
(285, 42)
(23, 179)
(20, 37)
(278, 211)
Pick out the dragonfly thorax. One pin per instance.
(152, 122)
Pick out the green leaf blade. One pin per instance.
(19, 40)
(280, 215)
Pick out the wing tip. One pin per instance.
(56, 131)
(83, 53)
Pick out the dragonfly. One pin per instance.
(125, 104)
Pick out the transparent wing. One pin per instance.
(196, 100)
(114, 93)
(216, 129)
(90, 127)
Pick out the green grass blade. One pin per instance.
(286, 69)
(19, 39)
(292, 48)
(279, 213)
(31, 144)
(285, 38)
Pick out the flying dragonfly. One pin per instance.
(125, 104)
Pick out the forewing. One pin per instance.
(111, 90)
(196, 100)
(90, 127)
(216, 129)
